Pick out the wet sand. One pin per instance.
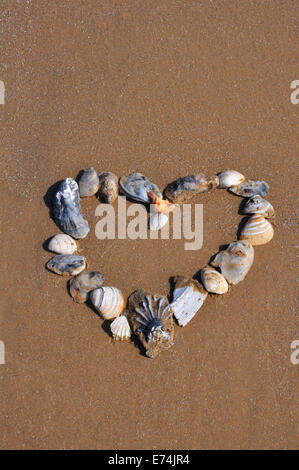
(167, 89)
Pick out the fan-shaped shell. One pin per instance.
(109, 301)
(150, 318)
(257, 230)
(230, 178)
(157, 221)
(67, 265)
(120, 328)
(213, 281)
(258, 205)
(250, 188)
(62, 244)
(235, 261)
(108, 191)
(88, 182)
(137, 187)
(188, 298)
(83, 283)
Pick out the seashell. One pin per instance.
(109, 301)
(257, 230)
(67, 211)
(120, 328)
(62, 244)
(250, 188)
(67, 265)
(151, 319)
(182, 189)
(213, 281)
(235, 261)
(88, 183)
(157, 221)
(108, 191)
(258, 205)
(188, 298)
(83, 283)
(230, 178)
(137, 186)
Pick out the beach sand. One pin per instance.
(166, 89)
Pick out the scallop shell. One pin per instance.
(88, 183)
(213, 281)
(108, 191)
(157, 221)
(137, 186)
(62, 244)
(182, 189)
(250, 188)
(120, 328)
(151, 319)
(83, 283)
(230, 178)
(67, 211)
(67, 265)
(188, 298)
(109, 301)
(235, 261)
(257, 230)
(258, 205)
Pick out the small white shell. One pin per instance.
(109, 301)
(213, 281)
(258, 205)
(62, 244)
(157, 221)
(257, 230)
(230, 178)
(120, 328)
(235, 261)
(188, 298)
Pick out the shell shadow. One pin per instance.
(241, 226)
(45, 245)
(49, 196)
(242, 206)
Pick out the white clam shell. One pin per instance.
(230, 178)
(62, 244)
(187, 300)
(157, 221)
(258, 205)
(120, 328)
(235, 261)
(109, 301)
(213, 281)
(257, 230)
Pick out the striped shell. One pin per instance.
(109, 301)
(258, 205)
(120, 328)
(235, 261)
(230, 178)
(257, 230)
(188, 298)
(213, 281)
(62, 244)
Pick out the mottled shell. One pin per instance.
(230, 178)
(151, 320)
(235, 261)
(108, 190)
(88, 183)
(257, 230)
(182, 189)
(67, 210)
(188, 298)
(250, 188)
(120, 328)
(67, 265)
(83, 283)
(62, 244)
(109, 301)
(258, 205)
(213, 281)
(138, 187)
(157, 221)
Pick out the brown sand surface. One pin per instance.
(167, 89)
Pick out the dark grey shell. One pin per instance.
(67, 211)
(250, 188)
(137, 186)
(151, 319)
(182, 189)
(108, 190)
(83, 283)
(67, 265)
(88, 183)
